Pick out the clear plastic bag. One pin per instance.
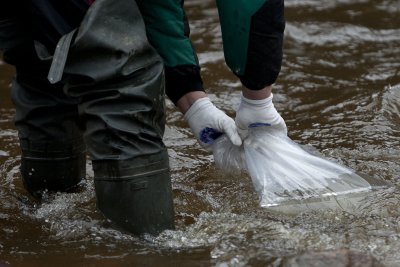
(228, 157)
(283, 172)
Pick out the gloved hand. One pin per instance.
(207, 123)
(255, 113)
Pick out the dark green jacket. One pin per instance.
(252, 32)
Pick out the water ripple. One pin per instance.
(338, 34)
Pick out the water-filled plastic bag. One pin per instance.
(283, 172)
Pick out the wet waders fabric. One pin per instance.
(114, 83)
(119, 78)
(136, 195)
(53, 151)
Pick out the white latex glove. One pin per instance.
(207, 123)
(255, 113)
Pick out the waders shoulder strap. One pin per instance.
(60, 57)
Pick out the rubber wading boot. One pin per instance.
(51, 167)
(137, 199)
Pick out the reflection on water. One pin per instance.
(338, 91)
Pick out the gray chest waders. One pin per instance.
(119, 79)
(53, 151)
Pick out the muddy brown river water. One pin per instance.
(339, 92)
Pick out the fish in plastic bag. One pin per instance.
(283, 172)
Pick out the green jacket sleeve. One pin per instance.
(252, 33)
(168, 32)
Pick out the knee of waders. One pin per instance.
(138, 200)
(51, 166)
